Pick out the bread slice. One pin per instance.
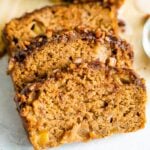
(47, 54)
(82, 102)
(19, 31)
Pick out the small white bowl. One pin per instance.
(146, 37)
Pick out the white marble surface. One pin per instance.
(12, 134)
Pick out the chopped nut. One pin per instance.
(102, 53)
(112, 61)
(78, 60)
(26, 42)
(56, 70)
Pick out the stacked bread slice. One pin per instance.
(82, 102)
(19, 32)
(47, 54)
(73, 74)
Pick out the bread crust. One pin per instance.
(82, 102)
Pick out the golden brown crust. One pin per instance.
(82, 102)
(107, 3)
